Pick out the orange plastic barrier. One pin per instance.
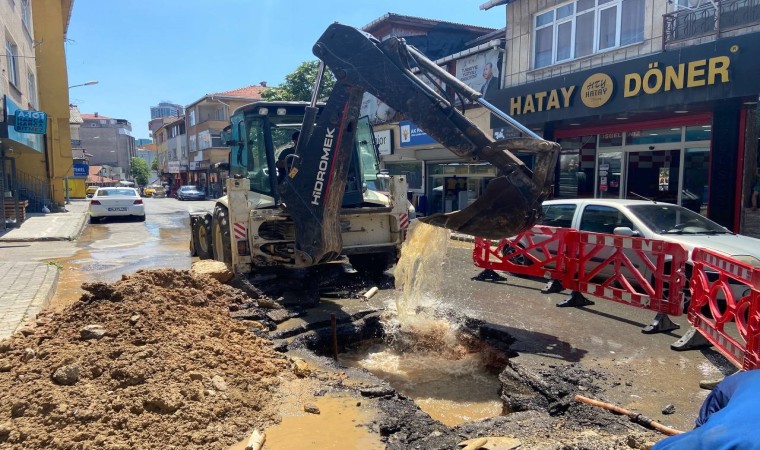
(634, 271)
(725, 306)
(538, 252)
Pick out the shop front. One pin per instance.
(676, 126)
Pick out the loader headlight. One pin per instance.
(263, 111)
(281, 111)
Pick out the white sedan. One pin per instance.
(116, 202)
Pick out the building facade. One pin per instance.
(35, 152)
(109, 141)
(51, 21)
(204, 120)
(438, 180)
(166, 109)
(171, 150)
(648, 98)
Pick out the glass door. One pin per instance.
(653, 175)
(609, 174)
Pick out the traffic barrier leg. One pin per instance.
(489, 275)
(691, 340)
(553, 287)
(660, 324)
(575, 299)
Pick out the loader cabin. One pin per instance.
(259, 132)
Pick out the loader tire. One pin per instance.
(202, 237)
(220, 230)
(371, 265)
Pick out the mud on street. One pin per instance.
(179, 358)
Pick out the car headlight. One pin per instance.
(747, 259)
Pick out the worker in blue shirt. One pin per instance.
(729, 418)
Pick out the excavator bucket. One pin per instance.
(511, 202)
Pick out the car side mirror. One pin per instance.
(625, 231)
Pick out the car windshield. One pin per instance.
(189, 188)
(673, 219)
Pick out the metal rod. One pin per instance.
(505, 117)
(333, 325)
(317, 84)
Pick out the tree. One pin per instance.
(139, 170)
(154, 164)
(299, 85)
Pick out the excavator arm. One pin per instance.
(314, 187)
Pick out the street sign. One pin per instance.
(81, 170)
(30, 121)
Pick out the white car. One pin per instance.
(651, 220)
(116, 202)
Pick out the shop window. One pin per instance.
(577, 29)
(698, 133)
(412, 171)
(695, 178)
(611, 140)
(576, 164)
(657, 136)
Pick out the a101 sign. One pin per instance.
(30, 121)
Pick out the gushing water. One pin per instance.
(425, 356)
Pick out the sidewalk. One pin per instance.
(27, 286)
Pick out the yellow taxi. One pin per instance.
(91, 191)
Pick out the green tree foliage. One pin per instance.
(154, 164)
(139, 170)
(298, 86)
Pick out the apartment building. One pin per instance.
(108, 140)
(204, 120)
(648, 98)
(29, 170)
(172, 153)
(438, 180)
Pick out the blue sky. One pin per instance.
(145, 51)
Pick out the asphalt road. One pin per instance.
(604, 336)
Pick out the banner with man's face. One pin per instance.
(480, 71)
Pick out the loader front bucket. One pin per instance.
(511, 202)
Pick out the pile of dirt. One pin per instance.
(151, 361)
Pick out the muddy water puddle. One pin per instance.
(342, 422)
(108, 251)
(450, 391)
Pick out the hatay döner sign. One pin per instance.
(598, 88)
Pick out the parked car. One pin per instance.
(190, 192)
(90, 191)
(651, 220)
(155, 190)
(116, 202)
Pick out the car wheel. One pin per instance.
(94, 219)
(141, 218)
(220, 230)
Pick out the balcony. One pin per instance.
(708, 20)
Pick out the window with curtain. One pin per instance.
(583, 27)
